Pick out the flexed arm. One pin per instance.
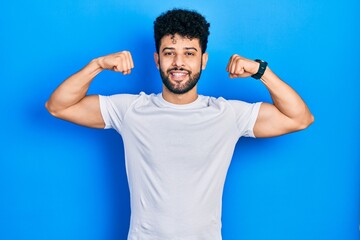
(288, 113)
(70, 102)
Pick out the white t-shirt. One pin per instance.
(177, 157)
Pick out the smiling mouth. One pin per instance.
(178, 75)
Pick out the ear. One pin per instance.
(156, 59)
(205, 57)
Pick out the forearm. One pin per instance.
(73, 89)
(286, 100)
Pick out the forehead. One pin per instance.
(177, 41)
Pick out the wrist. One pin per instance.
(98, 63)
(93, 67)
(268, 75)
(261, 69)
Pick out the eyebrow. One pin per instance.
(186, 48)
(191, 48)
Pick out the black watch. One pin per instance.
(261, 70)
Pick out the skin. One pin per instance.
(179, 52)
(287, 113)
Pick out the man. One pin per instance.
(178, 144)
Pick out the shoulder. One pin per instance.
(237, 104)
(240, 107)
(124, 98)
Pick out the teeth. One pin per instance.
(178, 74)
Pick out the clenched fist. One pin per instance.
(118, 62)
(239, 67)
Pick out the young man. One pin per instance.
(178, 144)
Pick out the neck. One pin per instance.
(184, 98)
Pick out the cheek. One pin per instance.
(164, 64)
(196, 65)
(162, 68)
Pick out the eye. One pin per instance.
(189, 53)
(168, 53)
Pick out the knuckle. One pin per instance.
(127, 53)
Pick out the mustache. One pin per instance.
(178, 69)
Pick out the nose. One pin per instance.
(178, 61)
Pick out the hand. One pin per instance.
(118, 62)
(239, 67)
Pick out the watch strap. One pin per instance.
(262, 68)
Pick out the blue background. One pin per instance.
(62, 181)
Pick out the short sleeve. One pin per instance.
(246, 115)
(113, 109)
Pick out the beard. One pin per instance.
(183, 87)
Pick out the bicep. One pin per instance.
(86, 113)
(271, 122)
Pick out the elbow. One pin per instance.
(306, 122)
(50, 109)
(310, 120)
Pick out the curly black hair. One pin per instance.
(186, 23)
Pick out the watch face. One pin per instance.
(259, 61)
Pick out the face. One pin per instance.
(180, 62)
